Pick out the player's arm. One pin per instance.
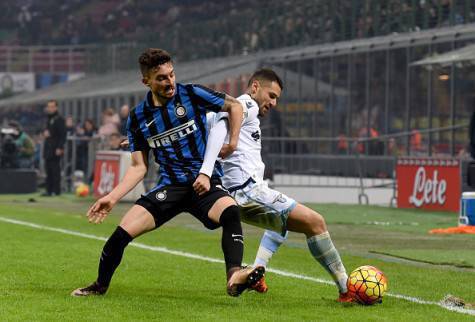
(235, 115)
(220, 102)
(217, 134)
(134, 174)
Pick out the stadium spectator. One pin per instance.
(85, 134)
(25, 146)
(70, 127)
(55, 138)
(342, 144)
(124, 115)
(181, 187)
(210, 27)
(415, 142)
(472, 135)
(114, 142)
(110, 122)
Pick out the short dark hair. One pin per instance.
(152, 58)
(266, 74)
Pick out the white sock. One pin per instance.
(323, 250)
(270, 242)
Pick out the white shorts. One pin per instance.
(264, 207)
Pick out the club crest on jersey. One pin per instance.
(180, 110)
(161, 195)
(280, 198)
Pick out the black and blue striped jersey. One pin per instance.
(176, 133)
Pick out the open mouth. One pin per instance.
(169, 90)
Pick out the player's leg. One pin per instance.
(305, 220)
(226, 212)
(270, 243)
(136, 221)
(216, 208)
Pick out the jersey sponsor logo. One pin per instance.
(161, 195)
(166, 138)
(180, 110)
(256, 135)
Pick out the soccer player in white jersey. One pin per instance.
(260, 205)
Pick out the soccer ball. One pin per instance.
(82, 190)
(367, 285)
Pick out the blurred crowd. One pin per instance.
(25, 148)
(212, 28)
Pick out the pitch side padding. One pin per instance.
(17, 181)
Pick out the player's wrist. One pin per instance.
(113, 199)
(207, 175)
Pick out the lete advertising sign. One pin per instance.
(428, 183)
(106, 173)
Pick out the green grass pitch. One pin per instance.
(41, 264)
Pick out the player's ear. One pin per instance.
(255, 86)
(145, 81)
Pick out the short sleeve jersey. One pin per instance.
(176, 132)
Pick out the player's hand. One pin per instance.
(100, 209)
(227, 150)
(124, 144)
(201, 184)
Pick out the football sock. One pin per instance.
(232, 241)
(323, 250)
(112, 255)
(270, 242)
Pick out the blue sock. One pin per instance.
(270, 242)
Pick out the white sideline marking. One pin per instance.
(215, 260)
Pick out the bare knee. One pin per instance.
(317, 224)
(305, 220)
(137, 221)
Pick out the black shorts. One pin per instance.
(169, 201)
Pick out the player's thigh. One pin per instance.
(137, 221)
(219, 206)
(264, 207)
(305, 220)
(208, 207)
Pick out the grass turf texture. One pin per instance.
(40, 268)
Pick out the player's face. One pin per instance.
(266, 95)
(161, 81)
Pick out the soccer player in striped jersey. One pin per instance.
(171, 123)
(260, 205)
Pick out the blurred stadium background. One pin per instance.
(366, 81)
(376, 109)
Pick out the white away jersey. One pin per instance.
(246, 161)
